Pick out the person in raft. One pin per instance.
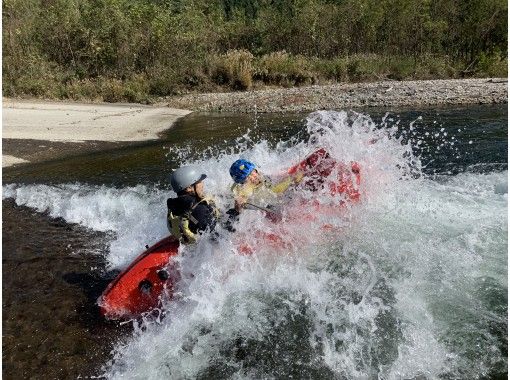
(252, 190)
(191, 213)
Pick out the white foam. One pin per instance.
(375, 297)
(136, 215)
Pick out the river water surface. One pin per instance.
(413, 283)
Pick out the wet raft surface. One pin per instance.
(51, 324)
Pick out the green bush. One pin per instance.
(434, 67)
(332, 69)
(137, 89)
(401, 68)
(162, 81)
(281, 68)
(133, 90)
(492, 64)
(234, 68)
(34, 76)
(365, 67)
(82, 89)
(112, 90)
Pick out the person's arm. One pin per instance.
(239, 203)
(203, 217)
(283, 186)
(241, 195)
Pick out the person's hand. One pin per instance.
(239, 203)
(298, 177)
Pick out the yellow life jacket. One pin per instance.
(264, 192)
(179, 225)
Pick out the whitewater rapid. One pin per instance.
(402, 289)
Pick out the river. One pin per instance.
(413, 286)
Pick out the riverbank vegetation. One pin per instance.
(139, 50)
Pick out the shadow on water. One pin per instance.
(92, 287)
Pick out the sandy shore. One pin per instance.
(85, 122)
(77, 123)
(352, 95)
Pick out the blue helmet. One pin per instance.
(240, 170)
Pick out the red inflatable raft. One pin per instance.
(148, 279)
(141, 285)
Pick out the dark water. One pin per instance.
(51, 279)
(52, 326)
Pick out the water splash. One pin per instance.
(135, 215)
(410, 283)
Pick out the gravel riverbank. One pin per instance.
(351, 95)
